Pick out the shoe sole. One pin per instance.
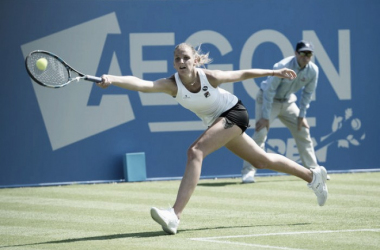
(245, 181)
(156, 217)
(248, 180)
(324, 176)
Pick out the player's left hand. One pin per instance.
(285, 73)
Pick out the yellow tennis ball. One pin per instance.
(42, 63)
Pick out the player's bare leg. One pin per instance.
(212, 139)
(247, 149)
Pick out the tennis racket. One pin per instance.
(49, 70)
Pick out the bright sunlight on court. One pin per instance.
(274, 213)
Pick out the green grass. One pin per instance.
(274, 212)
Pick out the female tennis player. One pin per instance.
(197, 89)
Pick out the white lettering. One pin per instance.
(340, 81)
(251, 45)
(276, 146)
(77, 121)
(139, 66)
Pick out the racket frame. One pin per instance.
(68, 68)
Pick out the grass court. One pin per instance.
(277, 212)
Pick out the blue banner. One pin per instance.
(81, 132)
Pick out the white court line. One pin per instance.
(248, 244)
(215, 239)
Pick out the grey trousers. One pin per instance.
(287, 112)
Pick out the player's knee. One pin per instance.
(194, 153)
(261, 163)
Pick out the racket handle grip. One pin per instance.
(93, 78)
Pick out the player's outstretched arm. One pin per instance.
(164, 85)
(218, 76)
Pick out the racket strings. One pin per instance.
(55, 74)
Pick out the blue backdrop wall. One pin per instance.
(81, 132)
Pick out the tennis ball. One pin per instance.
(42, 64)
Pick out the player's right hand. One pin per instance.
(262, 123)
(105, 83)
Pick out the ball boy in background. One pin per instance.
(276, 99)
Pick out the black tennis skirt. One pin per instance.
(237, 115)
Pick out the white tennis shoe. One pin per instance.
(318, 185)
(166, 218)
(248, 174)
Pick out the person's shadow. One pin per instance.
(218, 184)
(141, 235)
(102, 237)
(222, 184)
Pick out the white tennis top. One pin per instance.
(209, 103)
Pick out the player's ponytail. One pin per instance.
(202, 58)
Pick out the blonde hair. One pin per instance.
(201, 58)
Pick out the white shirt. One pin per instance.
(278, 88)
(209, 103)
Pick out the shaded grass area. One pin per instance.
(276, 211)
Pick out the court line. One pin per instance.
(216, 238)
(246, 244)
